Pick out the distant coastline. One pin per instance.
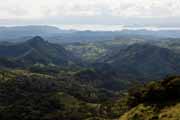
(98, 27)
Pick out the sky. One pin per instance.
(98, 13)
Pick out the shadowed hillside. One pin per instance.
(37, 50)
(144, 61)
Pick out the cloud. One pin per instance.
(83, 9)
(124, 8)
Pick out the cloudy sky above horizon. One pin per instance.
(132, 13)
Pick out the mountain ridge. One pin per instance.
(144, 60)
(38, 50)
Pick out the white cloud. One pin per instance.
(33, 10)
(47, 8)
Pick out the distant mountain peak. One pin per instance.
(36, 40)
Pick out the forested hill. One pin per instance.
(37, 50)
(155, 101)
(145, 61)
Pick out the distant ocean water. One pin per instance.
(98, 27)
(111, 27)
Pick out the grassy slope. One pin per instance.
(156, 101)
(144, 112)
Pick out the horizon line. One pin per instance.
(97, 27)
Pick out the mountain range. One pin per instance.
(57, 35)
(51, 74)
(137, 61)
(142, 61)
(37, 50)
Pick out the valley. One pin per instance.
(89, 75)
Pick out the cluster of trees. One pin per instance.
(31, 96)
(45, 96)
(159, 93)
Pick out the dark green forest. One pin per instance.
(122, 79)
